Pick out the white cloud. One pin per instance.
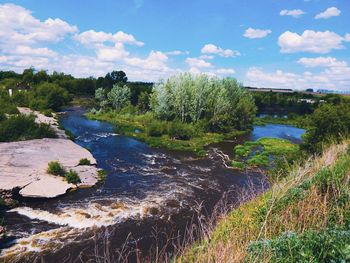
(213, 49)
(156, 60)
(117, 52)
(296, 13)
(177, 53)
(225, 71)
(18, 26)
(92, 37)
(198, 63)
(334, 77)
(321, 62)
(220, 72)
(310, 41)
(330, 12)
(256, 33)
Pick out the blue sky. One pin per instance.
(295, 44)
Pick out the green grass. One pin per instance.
(84, 161)
(146, 128)
(55, 168)
(21, 127)
(304, 217)
(263, 151)
(300, 121)
(72, 177)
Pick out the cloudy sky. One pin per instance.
(295, 44)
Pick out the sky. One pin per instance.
(295, 44)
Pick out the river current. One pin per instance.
(146, 191)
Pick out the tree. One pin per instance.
(48, 96)
(329, 123)
(116, 77)
(143, 101)
(119, 96)
(41, 76)
(223, 103)
(28, 75)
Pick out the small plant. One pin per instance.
(101, 175)
(84, 161)
(238, 165)
(72, 177)
(55, 168)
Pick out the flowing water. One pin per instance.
(146, 190)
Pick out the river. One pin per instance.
(146, 191)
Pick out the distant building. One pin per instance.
(19, 87)
(341, 92)
(270, 90)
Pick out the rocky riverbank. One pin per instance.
(23, 164)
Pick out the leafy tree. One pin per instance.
(223, 103)
(116, 78)
(48, 96)
(143, 101)
(119, 96)
(329, 123)
(28, 75)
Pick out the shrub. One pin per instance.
(55, 168)
(238, 165)
(22, 127)
(101, 175)
(156, 129)
(72, 177)
(181, 131)
(84, 161)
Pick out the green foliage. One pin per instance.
(22, 127)
(331, 245)
(84, 161)
(156, 128)
(180, 131)
(48, 96)
(101, 175)
(265, 150)
(223, 103)
(72, 177)
(119, 96)
(55, 168)
(328, 124)
(238, 165)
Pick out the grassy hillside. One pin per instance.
(302, 218)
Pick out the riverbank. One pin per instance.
(302, 218)
(24, 164)
(137, 125)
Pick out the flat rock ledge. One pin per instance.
(23, 166)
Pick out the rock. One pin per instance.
(23, 165)
(2, 232)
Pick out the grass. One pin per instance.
(262, 152)
(304, 217)
(145, 128)
(21, 127)
(72, 177)
(55, 168)
(300, 121)
(84, 161)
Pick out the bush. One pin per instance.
(102, 175)
(72, 177)
(84, 161)
(55, 168)
(181, 131)
(156, 128)
(238, 165)
(22, 127)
